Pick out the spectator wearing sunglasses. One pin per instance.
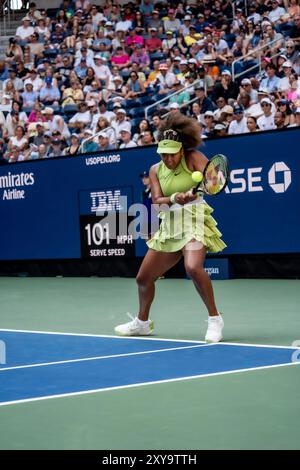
(295, 30)
(266, 121)
(290, 51)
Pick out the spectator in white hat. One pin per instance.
(89, 145)
(104, 143)
(226, 87)
(246, 86)
(220, 130)
(154, 43)
(209, 122)
(239, 123)
(25, 31)
(125, 135)
(117, 89)
(169, 42)
(56, 123)
(266, 121)
(164, 80)
(185, 27)
(101, 69)
(174, 107)
(284, 83)
(120, 121)
(184, 69)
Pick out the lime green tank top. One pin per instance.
(175, 181)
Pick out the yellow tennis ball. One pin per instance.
(197, 176)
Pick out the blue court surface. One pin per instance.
(40, 365)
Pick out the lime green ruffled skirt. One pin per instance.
(191, 222)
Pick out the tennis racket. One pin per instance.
(215, 176)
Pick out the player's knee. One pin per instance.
(144, 280)
(141, 279)
(194, 272)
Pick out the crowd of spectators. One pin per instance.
(78, 79)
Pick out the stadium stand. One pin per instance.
(234, 66)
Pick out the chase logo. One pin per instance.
(279, 178)
(277, 171)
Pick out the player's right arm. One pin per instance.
(156, 191)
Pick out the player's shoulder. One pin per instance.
(196, 160)
(154, 168)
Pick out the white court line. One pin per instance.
(121, 387)
(147, 338)
(96, 358)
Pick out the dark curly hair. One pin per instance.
(187, 129)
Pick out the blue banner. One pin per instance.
(43, 203)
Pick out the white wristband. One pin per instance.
(173, 198)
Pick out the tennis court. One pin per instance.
(68, 383)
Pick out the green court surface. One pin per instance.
(256, 409)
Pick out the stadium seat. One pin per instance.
(70, 110)
(52, 12)
(157, 56)
(135, 125)
(125, 74)
(147, 100)
(50, 53)
(136, 112)
(128, 104)
(27, 109)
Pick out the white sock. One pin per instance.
(142, 322)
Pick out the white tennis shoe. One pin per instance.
(135, 327)
(214, 330)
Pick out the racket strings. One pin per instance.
(216, 175)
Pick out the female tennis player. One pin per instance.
(187, 228)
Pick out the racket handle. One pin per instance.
(196, 188)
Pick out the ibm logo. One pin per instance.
(105, 201)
